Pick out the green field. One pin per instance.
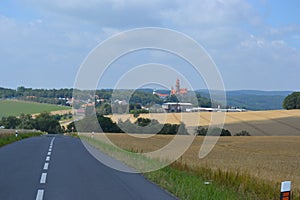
(15, 108)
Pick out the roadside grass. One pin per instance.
(75, 135)
(189, 186)
(129, 157)
(205, 183)
(7, 138)
(15, 108)
(197, 182)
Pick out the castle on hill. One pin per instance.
(178, 90)
(174, 91)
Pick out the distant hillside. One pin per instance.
(259, 92)
(248, 99)
(253, 99)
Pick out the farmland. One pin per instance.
(257, 123)
(267, 158)
(15, 108)
(271, 154)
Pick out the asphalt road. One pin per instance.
(54, 168)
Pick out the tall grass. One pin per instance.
(129, 157)
(7, 138)
(186, 185)
(244, 185)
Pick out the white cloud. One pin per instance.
(63, 32)
(208, 13)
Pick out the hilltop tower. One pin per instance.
(178, 90)
(177, 86)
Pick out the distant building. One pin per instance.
(202, 109)
(160, 94)
(178, 90)
(121, 102)
(177, 107)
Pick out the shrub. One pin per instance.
(243, 133)
(200, 131)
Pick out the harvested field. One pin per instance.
(273, 158)
(257, 123)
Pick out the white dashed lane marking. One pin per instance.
(40, 192)
(47, 158)
(43, 178)
(46, 165)
(40, 195)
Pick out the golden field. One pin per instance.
(273, 158)
(257, 123)
(272, 152)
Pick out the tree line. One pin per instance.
(42, 122)
(46, 122)
(58, 96)
(140, 126)
(29, 92)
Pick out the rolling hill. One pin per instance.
(253, 99)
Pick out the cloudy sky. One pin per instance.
(254, 43)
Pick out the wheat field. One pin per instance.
(257, 123)
(272, 158)
(271, 153)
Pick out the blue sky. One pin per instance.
(255, 44)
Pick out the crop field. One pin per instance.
(257, 123)
(15, 108)
(271, 158)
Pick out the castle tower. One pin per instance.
(177, 86)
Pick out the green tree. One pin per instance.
(292, 101)
(10, 122)
(143, 122)
(242, 133)
(201, 131)
(172, 98)
(47, 123)
(71, 128)
(26, 121)
(104, 109)
(107, 125)
(91, 124)
(203, 101)
(213, 131)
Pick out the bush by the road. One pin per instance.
(43, 122)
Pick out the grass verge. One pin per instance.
(129, 157)
(205, 183)
(7, 138)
